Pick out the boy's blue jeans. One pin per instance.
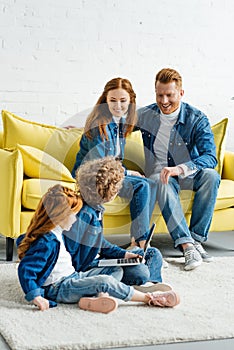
(205, 184)
(90, 283)
(150, 271)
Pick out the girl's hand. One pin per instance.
(135, 173)
(42, 303)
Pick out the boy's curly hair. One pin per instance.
(100, 180)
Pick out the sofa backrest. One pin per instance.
(63, 144)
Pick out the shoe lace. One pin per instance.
(200, 248)
(189, 255)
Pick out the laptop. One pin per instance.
(131, 261)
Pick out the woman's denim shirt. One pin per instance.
(84, 241)
(99, 147)
(191, 140)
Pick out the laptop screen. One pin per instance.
(148, 240)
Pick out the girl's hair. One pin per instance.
(56, 204)
(168, 75)
(100, 180)
(101, 116)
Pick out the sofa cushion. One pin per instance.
(219, 131)
(39, 164)
(33, 190)
(60, 143)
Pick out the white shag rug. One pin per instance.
(205, 312)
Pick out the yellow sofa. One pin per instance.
(35, 156)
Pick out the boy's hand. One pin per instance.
(129, 255)
(42, 303)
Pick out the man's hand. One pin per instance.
(42, 303)
(170, 171)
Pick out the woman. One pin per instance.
(111, 121)
(54, 264)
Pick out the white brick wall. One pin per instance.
(56, 55)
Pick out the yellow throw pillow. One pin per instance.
(219, 131)
(62, 144)
(41, 165)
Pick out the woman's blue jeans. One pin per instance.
(205, 184)
(90, 283)
(141, 193)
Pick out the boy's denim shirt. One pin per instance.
(99, 147)
(191, 140)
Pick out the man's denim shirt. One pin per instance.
(99, 147)
(191, 140)
(84, 241)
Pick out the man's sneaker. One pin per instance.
(192, 258)
(150, 287)
(103, 303)
(164, 299)
(205, 256)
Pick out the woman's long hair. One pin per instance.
(56, 204)
(101, 116)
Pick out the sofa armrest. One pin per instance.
(228, 166)
(11, 182)
(1, 139)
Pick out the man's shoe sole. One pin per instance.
(208, 260)
(193, 266)
(104, 304)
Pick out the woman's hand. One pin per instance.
(42, 303)
(135, 173)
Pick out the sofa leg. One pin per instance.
(9, 248)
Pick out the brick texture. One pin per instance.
(56, 55)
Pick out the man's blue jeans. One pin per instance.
(141, 193)
(205, 184)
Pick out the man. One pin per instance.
(180, 154)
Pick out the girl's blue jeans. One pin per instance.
(90, 283)
(114, 280)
